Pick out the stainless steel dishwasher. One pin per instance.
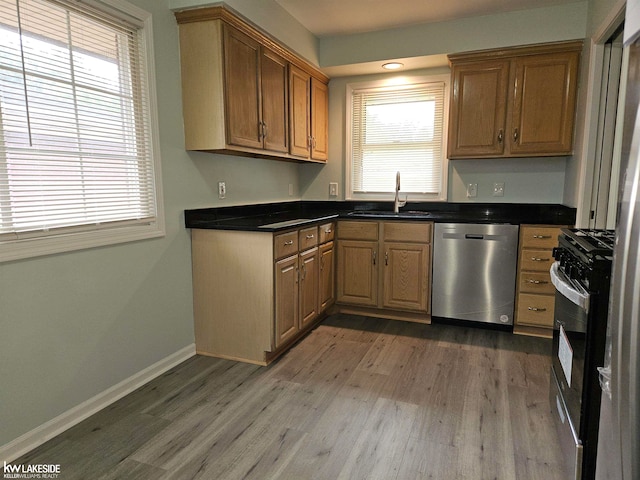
(474, 272)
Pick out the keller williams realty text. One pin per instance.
(31, 471)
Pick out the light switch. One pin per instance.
(333, 189)
(222, 190)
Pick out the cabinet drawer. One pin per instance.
(358, 230)
(308, 237)
(285, 244)
(535, 310)
(539, 237)
(536, 260)
(536, 282)
(327, 232)
(407, 232)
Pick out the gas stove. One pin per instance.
(585, 255)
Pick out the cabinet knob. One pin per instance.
(515, 135)
(309, 237)
(287, 243)
(500, 136)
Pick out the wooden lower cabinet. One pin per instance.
(406, 276)
(308, 287)
(286, 299)
(535, 296)
(255, 293)
(327, 277)
(357, 272)
(385, 267)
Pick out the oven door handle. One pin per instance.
(568, 289)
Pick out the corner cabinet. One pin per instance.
(241, 94)
(383, 269)
(514, 102)
(256, 293)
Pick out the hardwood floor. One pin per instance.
(358, 398)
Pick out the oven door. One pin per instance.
(569, 345)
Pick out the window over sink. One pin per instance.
(397, 126)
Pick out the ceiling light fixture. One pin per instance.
(393, 65)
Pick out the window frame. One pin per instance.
(386, 83)
(33, 244)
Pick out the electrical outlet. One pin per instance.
(498, 189)
(222, 190)
(472, 190)
(333, 189)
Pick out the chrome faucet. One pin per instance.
(397, 203)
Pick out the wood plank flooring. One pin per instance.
(358, 398)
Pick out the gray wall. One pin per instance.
(75, 324)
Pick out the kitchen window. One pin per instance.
(79, 166)
(397, 127)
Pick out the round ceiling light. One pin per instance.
(392, 65)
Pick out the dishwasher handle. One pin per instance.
(474, 236)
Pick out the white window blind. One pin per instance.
(398, 128)
(75, 137)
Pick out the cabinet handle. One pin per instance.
(309, 237)
(328, 230)
(264, 130)
(536, 282)
(375, 254)
(321, 263)
(500, 136)
(314, 142)
(297, 275)
(542, 236)
(386, 258)
(304, 272)
(515, 135)
(536, 309)
(535, 259)
(288, 242)
(309, 141)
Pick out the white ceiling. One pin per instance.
(343, 17)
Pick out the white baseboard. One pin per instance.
(68, 419)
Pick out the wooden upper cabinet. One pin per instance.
(238, 95)
(514, 102)
(275, 111)
(309, 104)
(478, 109)
(300, 105)
(544, 103)
(242, 92)
(319, 120)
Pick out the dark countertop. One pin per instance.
(273, 217)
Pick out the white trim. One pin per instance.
(75, 415)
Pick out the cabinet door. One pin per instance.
(286, 296)
(357, 272)
(406, 276)
(319, 120)
(327, 281)
(275, 112)
(544, 104)
(309, 266)
(242, 89)
(478, 109)
(299, 106)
